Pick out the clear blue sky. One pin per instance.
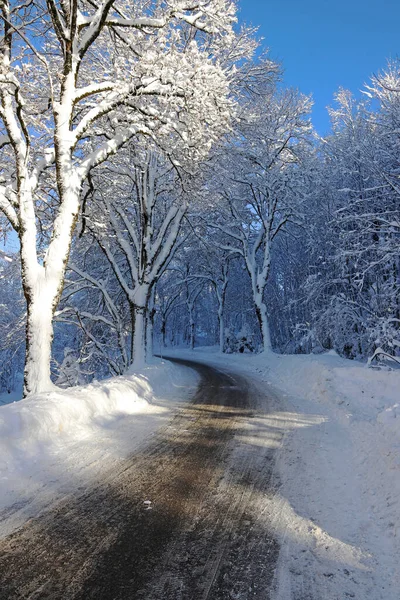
(324, 44)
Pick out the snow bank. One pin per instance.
(369, 394)
(51, 420)
(338, 471)
(67, 436)
(358, 393)
(55, 417)
(359, 396)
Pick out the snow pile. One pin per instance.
(53, 418)
(46, 422)
(65, 437)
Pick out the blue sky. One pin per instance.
(324, 44)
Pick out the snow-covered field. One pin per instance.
(53, 443)
(337, 511)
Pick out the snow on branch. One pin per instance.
(7, 208)
(4, 141)
(381, 352)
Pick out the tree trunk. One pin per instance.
(191, 326)
(149, 335)
(43, 285)
(39, 337)
(151, 312)
(192, 335)
(163, 331)
(140, 303)
(261, 311)
(139, 337)
(221, 330)
(132, 349)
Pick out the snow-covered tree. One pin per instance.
(211, 269)
(362, 311)
(103, 73)
(138, 226)
(263, 186)
(168, 299)
(93, 303)
(346, 291)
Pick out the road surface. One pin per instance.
(179, 520)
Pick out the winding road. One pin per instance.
(177, 521)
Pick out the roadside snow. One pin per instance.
(337, 506)
(335, 426)
(52, 442)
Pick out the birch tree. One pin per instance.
(102, 73)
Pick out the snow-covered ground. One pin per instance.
(337, 507)
(337, 510)
(52, 443)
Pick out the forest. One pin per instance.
(161, 187)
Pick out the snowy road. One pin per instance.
(184, 519)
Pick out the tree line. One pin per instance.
(164, 188)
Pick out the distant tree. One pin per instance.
(263, 186)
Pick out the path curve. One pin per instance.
(177, 521)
